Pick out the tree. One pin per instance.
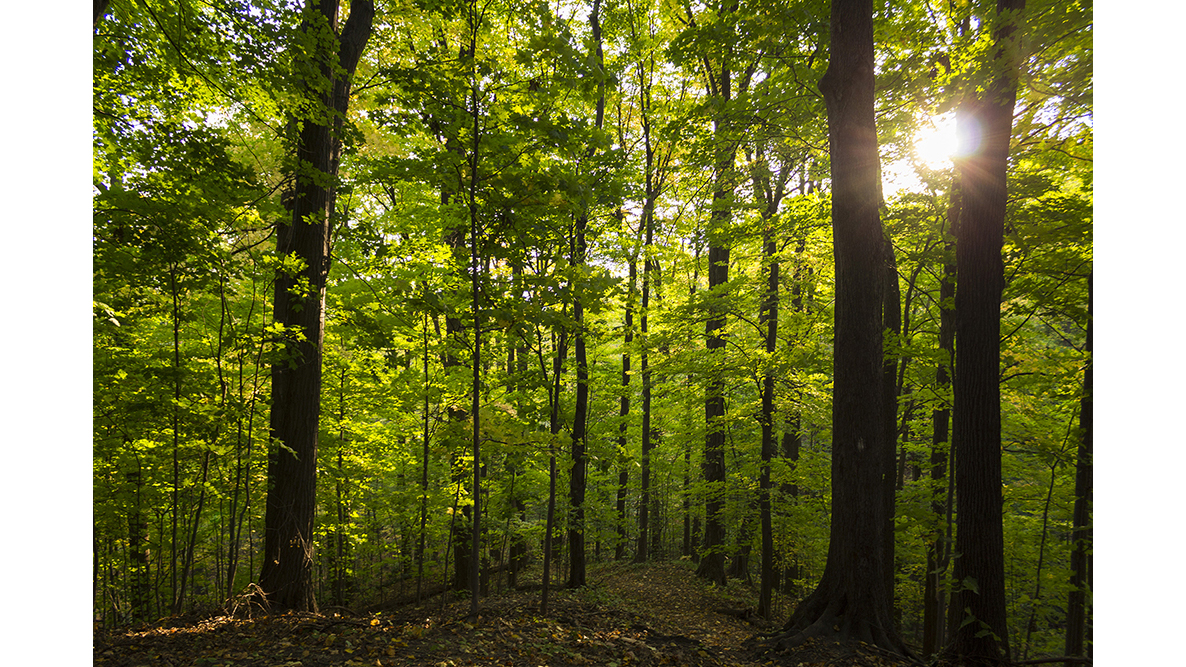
(770, 190)
(576, 531)
(286, 575)
(1081, 524)
(850, 600)
(720, 77)
(979, 568)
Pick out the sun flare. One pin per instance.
(936, 142)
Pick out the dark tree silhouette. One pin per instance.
(851, 600)
(286, 577)
(979, 570)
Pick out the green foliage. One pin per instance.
(485, 115)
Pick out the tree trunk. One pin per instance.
(624, 414)
(648, 268)
(712, 563)
(892, 318)
(577, 478)
(981, 636)
(770, 198)
(938, 546)
(850, 601)
(137, 549)
(554, 430)
(286, 575)
(1081, 521)
(100, 10)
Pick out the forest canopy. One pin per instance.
(399, 298)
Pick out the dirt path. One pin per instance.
(654, 615)
(679, 603)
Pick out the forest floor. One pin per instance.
(628, 616)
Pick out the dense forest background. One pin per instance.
(525, 208)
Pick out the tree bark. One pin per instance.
(770, 198)
(981, 636)
(850, 601)
(100, 10)
(1081, 519)
(712, 563)
(624, 413)
(577, 479)
(286, 575)
(892, 319)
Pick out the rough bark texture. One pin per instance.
(891, 314)
(286, 574)
(981, 635)
(850, 601)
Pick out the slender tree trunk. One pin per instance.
(850, 601)
(476, 387)
(938, 546)
(644, 503)
(175, 416)
(576, 493)
(286, 575)
(137, 549)
(577, 478)
(188, 560)
(712, 563)
(423, 475)
(982, 636)
(1081, 519)
(554, 430)
(771, 199)
(624, 414)
(792, 430)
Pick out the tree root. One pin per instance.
(832, 625)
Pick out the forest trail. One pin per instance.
(629, 616)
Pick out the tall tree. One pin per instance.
(299, 301)
(577, 480)
(1081, 519)
(979, 570)
(938, 545)
(719, 78)
(850, 601)
(769, 197)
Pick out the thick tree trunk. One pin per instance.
(1081, 521)
(981, 636)
(850, 601)
(286, 575)
(892, 319)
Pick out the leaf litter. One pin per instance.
(653, 615)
